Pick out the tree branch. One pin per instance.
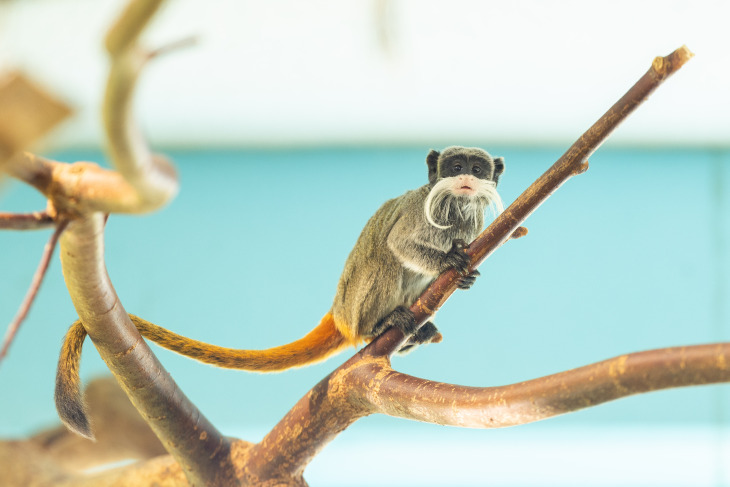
(572, 163)
(25, 221)
(80, 188)
(153, 177)
(321, 415)
(404, 396)
(195, 443)
(81, 192)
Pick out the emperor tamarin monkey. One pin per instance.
(404, 246)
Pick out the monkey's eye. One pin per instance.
(457, 168)
(476, 169)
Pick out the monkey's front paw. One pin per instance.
(457, 257)
(465, 282)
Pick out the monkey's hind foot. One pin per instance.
(426, 334)
(401, 317)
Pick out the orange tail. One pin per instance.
(323, 341)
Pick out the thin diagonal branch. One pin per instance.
(35, 285)
(572, 163)
(328, 408)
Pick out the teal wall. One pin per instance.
(632, 255)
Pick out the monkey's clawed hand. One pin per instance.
(457, 257)
(460, 260)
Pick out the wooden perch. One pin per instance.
(83, 194)
(335, 403)
(198, 447)
(573, 162)
(495, 407)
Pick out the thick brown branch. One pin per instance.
(409, 397)
(79, 188)
(83, 192)
(573, 162)
(195, 443)
(314, 421)
(34, 170)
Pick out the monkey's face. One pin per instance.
(466, 164)
(464, 184)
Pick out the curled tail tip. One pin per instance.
(73, 415)
(72, 410)
(79, 424)
(67, 395)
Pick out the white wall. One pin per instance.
(317, 71)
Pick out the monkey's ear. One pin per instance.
(432, 160)
(498, 168)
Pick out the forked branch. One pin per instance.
(366, 383)
(83, 193)
(336, 402)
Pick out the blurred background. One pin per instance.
(291, 122)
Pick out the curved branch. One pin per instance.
(152, 176)
(572, 163)
(195, 443)
(143, 183)
(80, 188)
(404, 396)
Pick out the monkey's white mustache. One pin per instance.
(444, 200)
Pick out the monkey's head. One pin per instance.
(464, 182)
(463, 162)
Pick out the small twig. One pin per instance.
(25, 221)
(183, 43)
(33, 290)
